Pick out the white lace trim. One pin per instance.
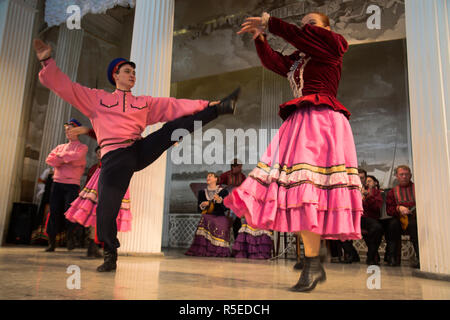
(297, 88)
(254, 232)
(56, 10)
(215, 241)
(265, 19)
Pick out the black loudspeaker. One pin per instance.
(21, 223)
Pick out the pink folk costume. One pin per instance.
(69, 161)
(83, 209)
(308, 178)
(118, 119)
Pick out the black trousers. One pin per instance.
(394, 233)
(373, 237)
(335, 248)
(61, 197)
(118, 166)
(349, 249)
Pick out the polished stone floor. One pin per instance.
(30, 273)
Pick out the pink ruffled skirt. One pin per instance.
(306, 180)
(84, 208)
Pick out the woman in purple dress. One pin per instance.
(212, 237)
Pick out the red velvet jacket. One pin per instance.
(314, 70)
(404, 196)
(372, 204)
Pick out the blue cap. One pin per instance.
(115, 65)
(74, 122)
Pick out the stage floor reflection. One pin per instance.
(30, 273)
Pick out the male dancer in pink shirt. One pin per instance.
(69, 161)
(118, 120)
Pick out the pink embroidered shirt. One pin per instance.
(69, 161)
(117, 118)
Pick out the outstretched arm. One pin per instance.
(315, 41)
(74, 132)
(168, 109)
(82, 98)
(271, 59)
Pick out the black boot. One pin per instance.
(70, 240)
(355, 255)
(312, 274)
(93, 251)
(299, 265)
(392, 256)
(372, 256)
(228, 104)
(110, 261)
(51, 244)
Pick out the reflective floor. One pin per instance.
(30, 273)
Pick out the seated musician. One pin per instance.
(212, 237)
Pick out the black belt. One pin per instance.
(122, 142)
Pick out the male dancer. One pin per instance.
(118, 120)
(69, 161)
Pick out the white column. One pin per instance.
(16, 30)
(428, 34)
(151, 50)
(67, 57)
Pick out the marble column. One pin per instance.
(67, 57)
(151, 50)
(428, 42)
(17, 20)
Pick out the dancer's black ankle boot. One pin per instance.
(228, 104)
(110, 261)
(51, 244)
(299, 265)
(312, 274)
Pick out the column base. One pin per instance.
(431, 275)
(142, 254)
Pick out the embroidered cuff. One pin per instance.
(265, 19)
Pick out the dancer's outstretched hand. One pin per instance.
(43, 50)
(252, 25)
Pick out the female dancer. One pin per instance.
(83, 209)
(307, 180)
(118, 119)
